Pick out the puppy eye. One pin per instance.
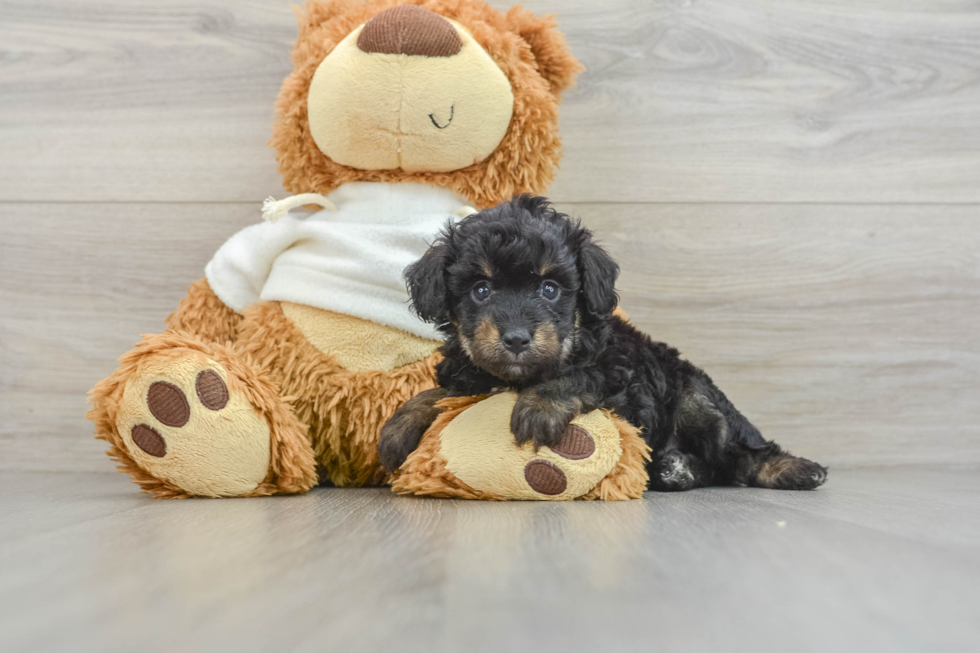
(481, 291)
(550, 290)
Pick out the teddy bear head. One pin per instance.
(451, 93)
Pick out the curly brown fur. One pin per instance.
(527, 48)
(344, 409)
(204, 315)
(628, 479)
(522, 267)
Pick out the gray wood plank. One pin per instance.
(931, 505)
(368, 571)
(35, 504)
(847, 333)
(167, 100)
(756, 101)
(170, 100)
(81, 283)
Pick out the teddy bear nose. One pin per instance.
(412, 30)
(517, 340)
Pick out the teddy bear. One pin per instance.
(279, 367)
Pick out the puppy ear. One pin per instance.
(598, 274)
(426, 280)
(552, 56)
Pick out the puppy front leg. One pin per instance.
(542, 413)
(402, 433)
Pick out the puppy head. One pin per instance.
(514, 283)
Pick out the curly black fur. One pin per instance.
(524, 297)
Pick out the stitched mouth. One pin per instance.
(432, 119)
(452, 112)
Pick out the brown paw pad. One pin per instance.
(545, 477)
(211, 390)
(147, 439)
(576, 445)
(168, 404)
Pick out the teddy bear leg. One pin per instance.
(189, 418)
(469, 452)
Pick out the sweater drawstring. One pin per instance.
(273, 210)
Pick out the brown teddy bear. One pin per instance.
(280, 366)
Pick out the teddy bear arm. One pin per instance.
(202, 314)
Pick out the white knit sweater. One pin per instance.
(348, 261)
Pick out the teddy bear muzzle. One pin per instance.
(409, 90)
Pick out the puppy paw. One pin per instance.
(543, 421)
(401, 434)
(786, 472)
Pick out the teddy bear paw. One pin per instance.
(181, 423)
(479, 451)
(546, 477)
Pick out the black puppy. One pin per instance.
(525, 297)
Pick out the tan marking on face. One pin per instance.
(487, 334)
(546, 267)
(546, 344)
(484, 348)
(486, 269)
(487, 351)
(466, 342)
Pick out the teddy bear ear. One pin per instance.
(551, 52)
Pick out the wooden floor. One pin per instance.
(884, 559)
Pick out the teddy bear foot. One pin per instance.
(186, 418)
(470, 452)
(182, 424)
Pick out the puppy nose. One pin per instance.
(517, 340)
(408, 29)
